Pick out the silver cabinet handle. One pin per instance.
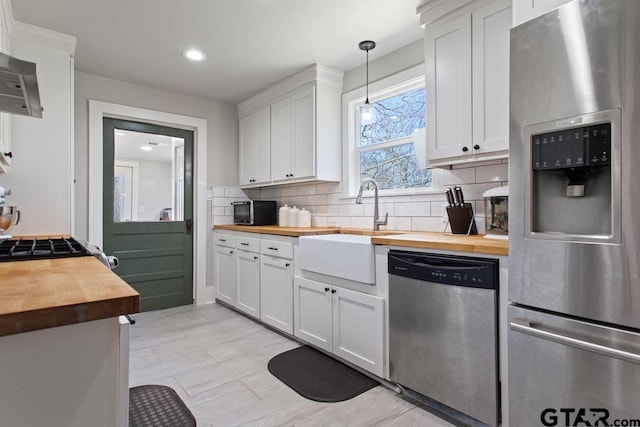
(526, 327)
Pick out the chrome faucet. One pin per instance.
(377, 222)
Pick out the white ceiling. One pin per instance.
(250, 44)
(128, 143)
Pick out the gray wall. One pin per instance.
(222, 130)
(399, 60)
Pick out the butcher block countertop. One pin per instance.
(47, 293)
(450, 242)
(420, 240)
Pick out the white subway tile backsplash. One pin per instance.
(429, 223)
(236, 193)
(339, 221)
(338, 199)
(399, 223)
(298, 201)
(270, 193)
(306, 190)
(218, 210)
(351, 210)
(320, 199)
(319, 221)
(474, 191)
(218, 191)
(493, 173)
(329, 188)
(384, 208)
(458, 176)
(289, 191)
(362, 222)
(413, 209)
(428, 197)
(330, 207)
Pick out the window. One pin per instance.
(384, 149)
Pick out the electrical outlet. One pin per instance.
(445, 216)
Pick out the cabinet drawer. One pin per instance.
(276, 248)
(250, 244)
(227, 240)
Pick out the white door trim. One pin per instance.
(97, 111)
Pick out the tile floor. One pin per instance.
(216, 360)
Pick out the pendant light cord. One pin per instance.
(367, 101)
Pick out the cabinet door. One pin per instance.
(448, 88)
(304, 147)
(225, 265)
(358, 329)
(276, 293)
(281, 140)
(255, 147)
(312, 313)
(248, 283)
(491, 26)
(5, 142)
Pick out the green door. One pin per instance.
(148, 209)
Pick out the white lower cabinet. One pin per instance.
(225, 272)
(276, 292)
(347, 323)
(248, 283)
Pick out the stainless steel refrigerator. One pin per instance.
(574, 238)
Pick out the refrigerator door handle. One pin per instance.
(526, 327)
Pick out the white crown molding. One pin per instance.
(432, 10)
(42, 36)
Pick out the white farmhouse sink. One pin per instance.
(346, 256)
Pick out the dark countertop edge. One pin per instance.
(34, 320)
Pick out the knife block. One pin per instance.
(462, 219)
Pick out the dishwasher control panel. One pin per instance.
(446, 269)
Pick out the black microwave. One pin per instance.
(255, 212)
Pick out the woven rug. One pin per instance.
(158, 406)
(316, 376)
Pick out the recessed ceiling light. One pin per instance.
(118, 133)
(194, 55)
(146, 148)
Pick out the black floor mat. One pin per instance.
(316, 376)
(158, 406)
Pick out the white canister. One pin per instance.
(304, 218)
(283, 216)
(293, 217)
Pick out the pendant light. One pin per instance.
(366, 116)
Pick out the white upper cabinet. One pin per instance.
(303, 143)
(525, 10)
(448, 81)
(255, 137)
(467, 83)
(5, 121)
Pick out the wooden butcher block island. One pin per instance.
(46, 293)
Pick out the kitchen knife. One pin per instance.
(449, 194)
(458, 196)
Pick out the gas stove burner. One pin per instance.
(41, 248)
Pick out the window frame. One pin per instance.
(395, 84)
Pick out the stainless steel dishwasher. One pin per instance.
(443, 339)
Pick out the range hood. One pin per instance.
(19, 87)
